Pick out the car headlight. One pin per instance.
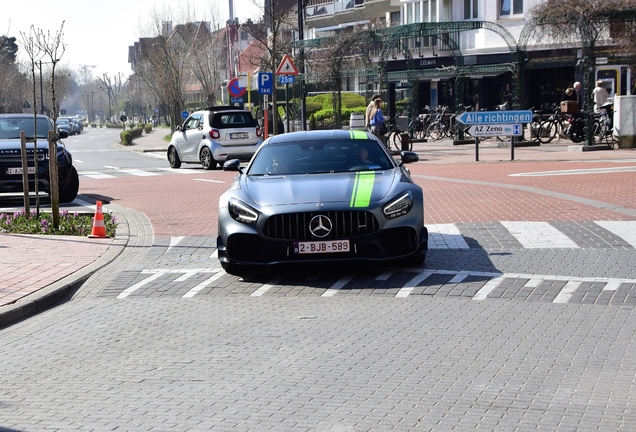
(241, 212)
(399, 206)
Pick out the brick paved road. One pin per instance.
(492, 332)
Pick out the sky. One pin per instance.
(98, 33)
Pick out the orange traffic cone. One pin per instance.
(99, 228)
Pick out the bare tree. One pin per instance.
(53, 47)
(164, 64)
(342, 50)
(29, 46)
(114, 88)
(276, 36)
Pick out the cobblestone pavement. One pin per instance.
(522, 317)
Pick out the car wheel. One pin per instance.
(70, 193)
(173, 158)
(207, 161)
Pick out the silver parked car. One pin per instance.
(214, 135)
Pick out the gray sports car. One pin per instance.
(333, 195)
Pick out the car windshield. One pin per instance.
(313, 157)
(10, 128)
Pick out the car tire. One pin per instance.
(173, 158)
(207, 161)
(70, 193)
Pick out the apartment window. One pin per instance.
(471, 9)
(510, 7)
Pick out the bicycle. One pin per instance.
(459, 130)
(556, 125)
(397, 137)
(417, 127)
(603, 127)
(438, 128)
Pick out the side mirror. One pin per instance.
(63, 133)
(232, 165)
(178, 127)
(409, 157)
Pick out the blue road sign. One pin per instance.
(495, 117)
(185, 114)
(265, 83)
(286, 79)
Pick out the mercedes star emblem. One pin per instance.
(320, 226)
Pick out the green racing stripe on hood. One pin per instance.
(362, 189)
(358, 134)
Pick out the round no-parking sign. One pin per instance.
(235, 89)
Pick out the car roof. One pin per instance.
(332, 134)
(225, 108)
(21, 115)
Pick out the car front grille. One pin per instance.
(14, 156)
(344, 224)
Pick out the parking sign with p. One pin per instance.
(265, 83)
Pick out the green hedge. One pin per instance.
(129, 135)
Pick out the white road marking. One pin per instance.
(612, 286)
(264, 288)
(95, 175)
(566, 292)
(539, 235)
(210, 181)
(331, 291)
(533, 281)
(174, 241)
(408, 287)
(111, 167)
(384, 276)
(458, 277)
(156, 274)
(575, 172)
(138, 172)
(445, 236)
(180, 170)
(203, 284)
(624, 229)
(493, 283)
(188, 273)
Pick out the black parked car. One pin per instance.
(321, 196)
(11, 160)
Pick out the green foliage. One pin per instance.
(147, 128)
(129, 135)
(352, 100)
(75, 224)
(321, 107)
(126, 137)
(312, 106)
